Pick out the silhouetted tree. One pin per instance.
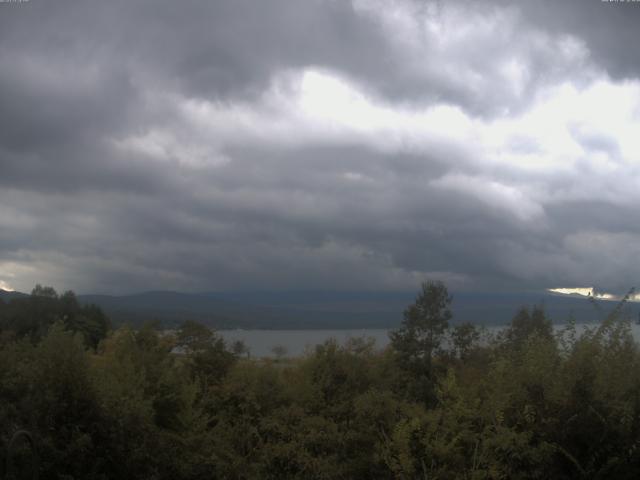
(207, 356)
(463, 338)
(420, 334)
(525, 323)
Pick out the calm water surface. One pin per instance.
(296, 342)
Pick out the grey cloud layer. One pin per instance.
(166, 145)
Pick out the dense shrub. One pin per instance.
(141, 404)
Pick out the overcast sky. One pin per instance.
(319, 144)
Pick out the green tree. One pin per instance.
(89, 320)
(525, 323)
(206, 352)
(32, 316)
(239, 348)
(280, 351)
(423, 327)
(418, 339)
(463, 338)
(45, 292)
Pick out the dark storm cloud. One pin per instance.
(610, 29)
(321, 144)
(203, 48)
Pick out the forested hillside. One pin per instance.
(134, 403)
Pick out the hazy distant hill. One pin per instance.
(299, 310)
(252, 310)
(7, 296)
(302, 310)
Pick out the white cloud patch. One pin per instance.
(501, 198)
(584, 292)
(567, 129)
(488, 55)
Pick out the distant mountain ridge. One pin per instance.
(6, 295)
(318, 310)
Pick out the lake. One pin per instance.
(296, 342)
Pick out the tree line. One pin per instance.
(440, 402)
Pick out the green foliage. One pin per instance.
(525, 324)
(32, 316)
(150, 405)
(207, 358)
(419, 338)
(423, 326)
(464, 338)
